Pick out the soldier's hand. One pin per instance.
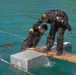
(70, 32)
(31, 30)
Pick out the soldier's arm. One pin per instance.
(63, 22)
(69, 28)
(35, 25)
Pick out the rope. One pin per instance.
(4, 61)
(18, 68)
(11, 34)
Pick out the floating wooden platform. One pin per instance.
(65, 56)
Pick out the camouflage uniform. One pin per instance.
(59, 23)
(32, 40)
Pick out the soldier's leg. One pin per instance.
(60, 40)
(24, 46)
(50, 41)
(50, 38)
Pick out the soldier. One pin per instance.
(59, 23)
(33, 38)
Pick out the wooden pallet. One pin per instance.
(65, 56)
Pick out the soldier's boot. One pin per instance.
(59, 53)
(59, 50)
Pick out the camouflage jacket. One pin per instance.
(33, 38)
(57, 17)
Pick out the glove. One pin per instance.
(70, 32)
(31, 30)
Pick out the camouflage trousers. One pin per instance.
(60, 39)
(27, 44)
(24, 45)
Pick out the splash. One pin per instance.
(49, 62)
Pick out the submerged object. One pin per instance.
(9, 45)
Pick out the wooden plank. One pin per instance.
(65, 56)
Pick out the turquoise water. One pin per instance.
(16, 18)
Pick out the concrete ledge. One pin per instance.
(27, 59)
